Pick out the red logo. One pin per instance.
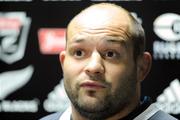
(51, 40)
(10, 23)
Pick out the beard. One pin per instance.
(112, 103)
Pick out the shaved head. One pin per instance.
(100, 14)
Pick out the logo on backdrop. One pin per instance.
(57, 99)
(167, 28)
(14, 28)
(169, 100)
(51, 40)
(12, 80)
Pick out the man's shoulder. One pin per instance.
(152, 112)
(54, 116)
(161, 115)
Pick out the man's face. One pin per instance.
(99, 70)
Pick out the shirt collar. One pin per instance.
(66, 115)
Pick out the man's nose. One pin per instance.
(95, 64)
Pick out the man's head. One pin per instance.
(104, 62)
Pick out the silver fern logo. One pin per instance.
(12, 80)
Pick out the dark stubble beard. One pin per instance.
(113, 103)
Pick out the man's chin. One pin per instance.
(92, 109)
(91, 104)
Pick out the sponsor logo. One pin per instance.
(14, 27)
(51, 40)
(166, 50)
(169, 100)
(57, 99)
(167, 28)
(19, 106)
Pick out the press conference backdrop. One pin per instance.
(32, 34)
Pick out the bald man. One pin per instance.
(104, 64)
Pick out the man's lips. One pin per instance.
(92, 84)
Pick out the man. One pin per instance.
(104, 64)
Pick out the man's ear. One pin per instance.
(62, 58)
(144, 65)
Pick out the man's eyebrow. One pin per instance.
(107, 40)
(117, 41)
(77, 40)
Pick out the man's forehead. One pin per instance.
(100, 15)
(101, 18)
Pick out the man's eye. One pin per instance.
(79, 53)
(111, 54)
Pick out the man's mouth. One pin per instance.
(92, 84)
